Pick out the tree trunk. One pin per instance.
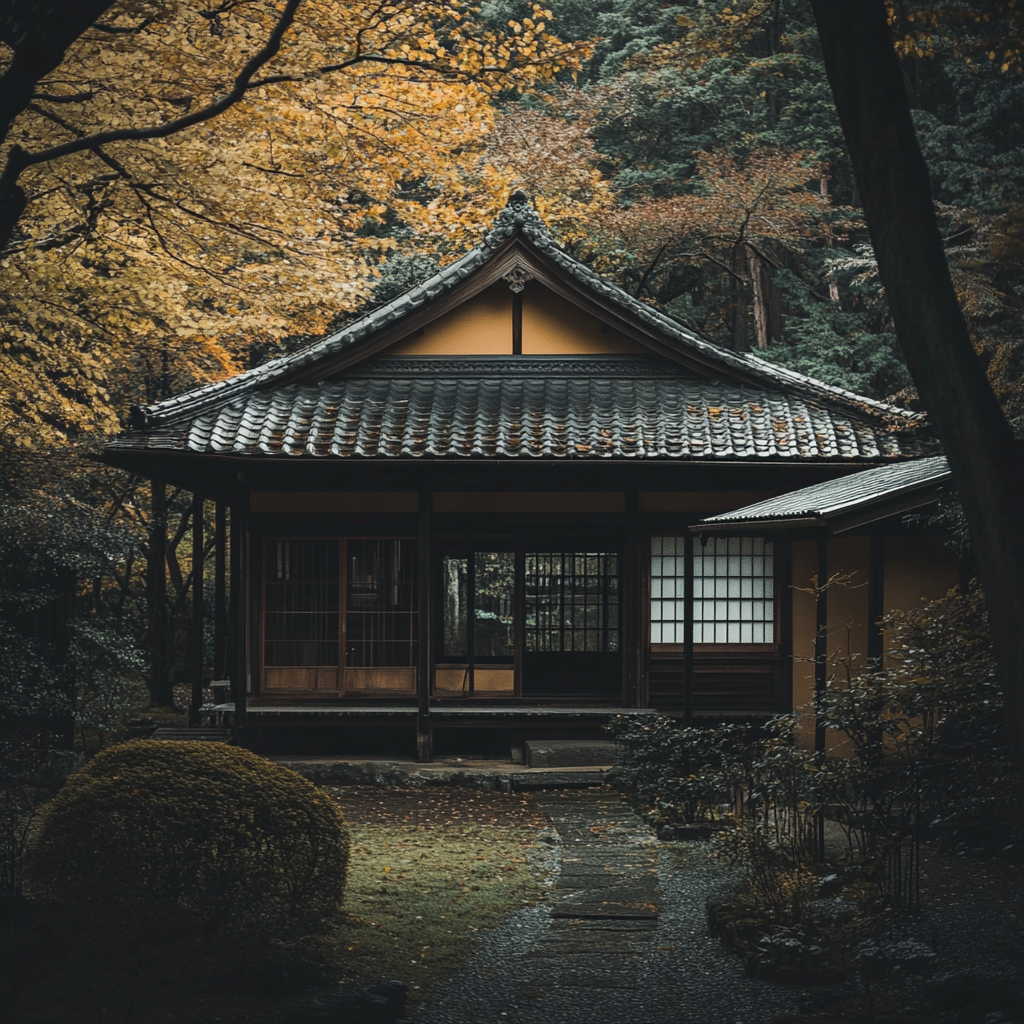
(987, 462)
(739, 304)
(826, 193)
(760, 287)
(38, 32)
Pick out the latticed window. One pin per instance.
(302, 602)
(314, 587)
(733, 590)
(572, 601)
(380, 603)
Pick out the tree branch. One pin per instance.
(12, 196)
(74, 97)
(180, 124)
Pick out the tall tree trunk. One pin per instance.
(38, 32)
(739, 296)
(161, 692)
(987, 462)
(760, 287)
(825, 187)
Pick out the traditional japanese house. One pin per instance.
(463, 520)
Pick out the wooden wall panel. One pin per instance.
(308, 678)
(698, 501)
(727, 683)
(529, 501)
(332, 501)
(374, 680)
(554, 326)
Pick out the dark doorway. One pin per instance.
(572, 622)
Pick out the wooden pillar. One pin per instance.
(519, 611)
(630, 611)
(197, 609)
(237, 610)
(821, 671)
(160, 691)
(876, 593)
(821, 638)
(220, 603)
(471, 616)
(517, 321)
(688, 543)
(782, 701)
(425, 659)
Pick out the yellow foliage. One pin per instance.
(758, 200)
(146, 266)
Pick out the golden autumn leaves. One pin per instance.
(146, 266)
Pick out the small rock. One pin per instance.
(366, 1003)
(684, 833)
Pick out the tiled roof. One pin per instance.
(583, 407)
(518, 219)
(842, 497)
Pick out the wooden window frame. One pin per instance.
(339, 689)
(751, 649)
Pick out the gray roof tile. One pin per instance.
(541, 407)
(517, 219)
(842, 496)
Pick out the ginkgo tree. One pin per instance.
(199, 180)
(196, 184)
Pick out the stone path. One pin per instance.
(621, 938)
(604, 905)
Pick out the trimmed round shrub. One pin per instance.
(215, 834)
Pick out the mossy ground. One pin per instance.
(429, 870)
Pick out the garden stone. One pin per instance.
(571, 753)
(366, 1003)
(685, 833)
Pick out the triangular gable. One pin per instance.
(549, 325)
(517, 254)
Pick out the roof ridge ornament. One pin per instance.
(517, 278)
(518, 214)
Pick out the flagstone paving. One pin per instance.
(620, 939)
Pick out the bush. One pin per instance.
(218, 841)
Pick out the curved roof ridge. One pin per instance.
(518, 216)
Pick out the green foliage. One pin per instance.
(929, 729)
(240, 848)
(927, 755)
(61, 674)
(685, 774)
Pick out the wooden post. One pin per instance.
(425, 660)
(519, 611)
(220, 603)
(517, 322)
(821, 671)
(160, 691)
(821, 638)
(197, 609)
(471, 616)
(876, 593)
(630, 604)
(237, 609)
(688, 629)
(782, 701)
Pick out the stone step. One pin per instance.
(192, 733)
(570, 753)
